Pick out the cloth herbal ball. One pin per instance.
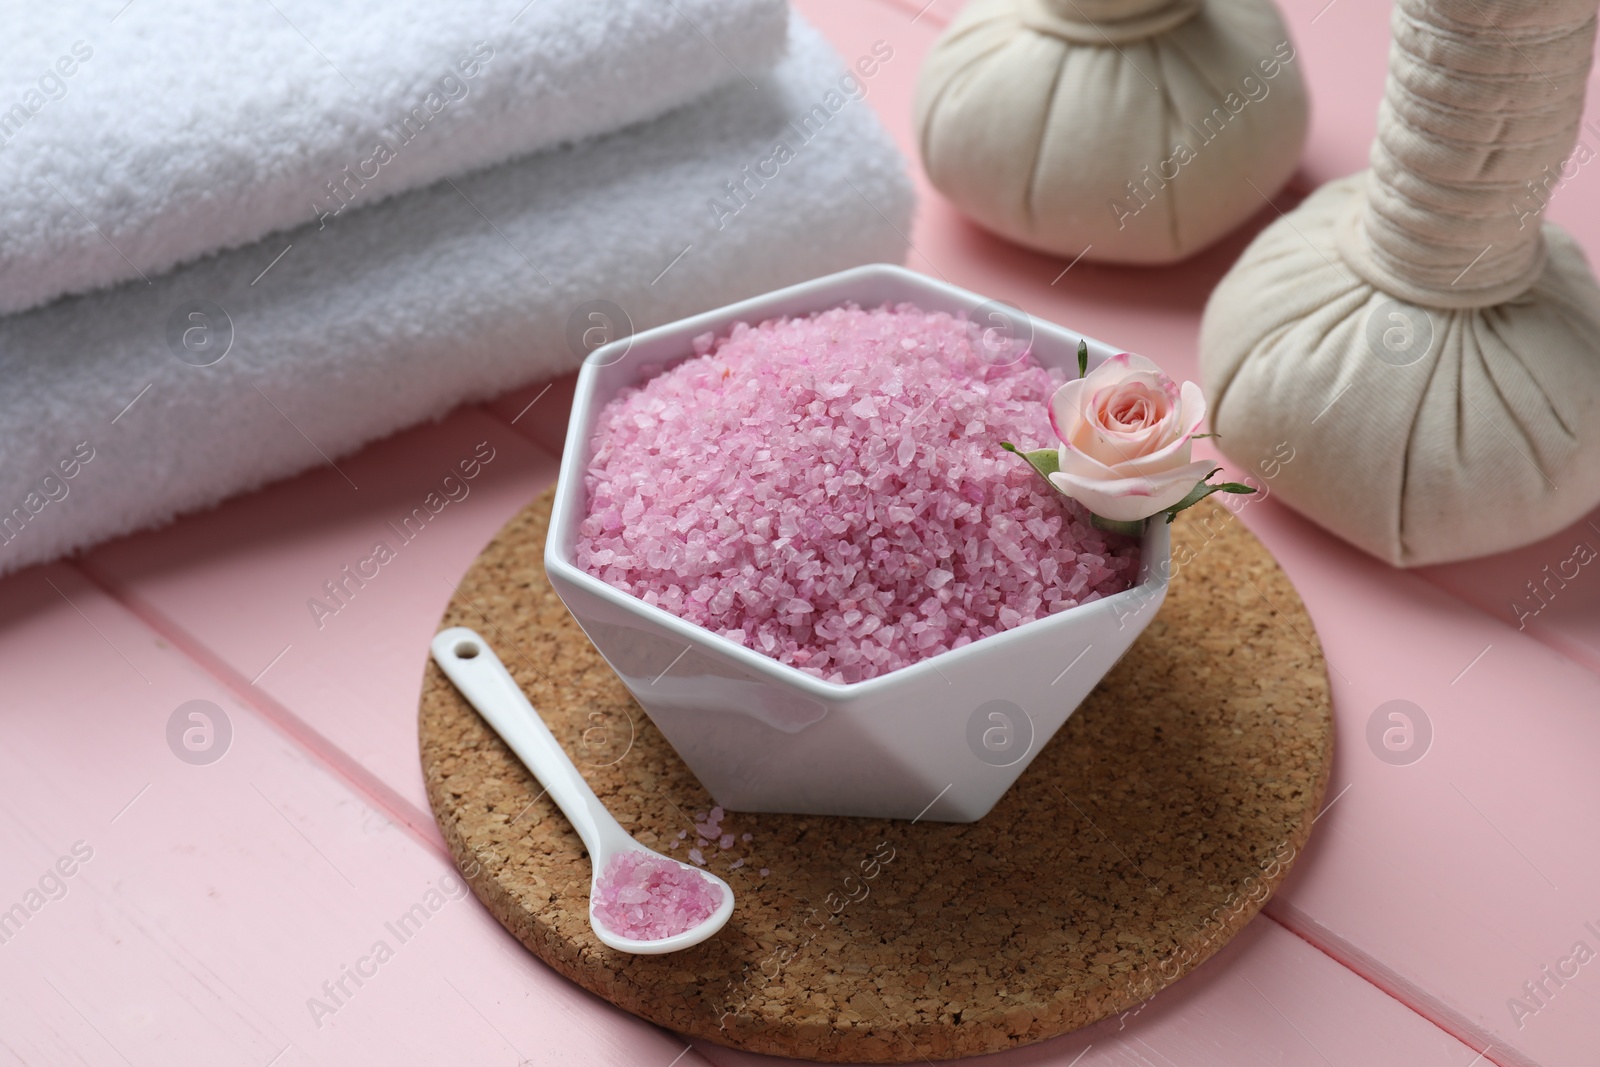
(1132, 131)
(1420, 434)
(1422, 347)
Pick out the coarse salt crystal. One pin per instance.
(647, 897)
(801, 487)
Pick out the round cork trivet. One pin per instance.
(1148, 831)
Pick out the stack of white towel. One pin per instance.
(235, 244)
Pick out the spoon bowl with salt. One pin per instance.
(639, 900)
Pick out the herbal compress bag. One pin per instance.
(1130, 131)
(1427, 344)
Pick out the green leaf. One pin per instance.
(1083, 358)
(1128, 529)
(1196, 437)
(1203, 489)
(1045, 460)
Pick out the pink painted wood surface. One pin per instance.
(236, 587)
(1549, 591)
(1453, 880)
(205, 905)
(1431, 879)
(539, 412)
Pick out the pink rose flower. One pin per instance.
(1126, 432)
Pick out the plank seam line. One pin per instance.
(938, 18)
(1570, 651)
(1398, 990)
(301, 734)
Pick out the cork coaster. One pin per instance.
(1140, 840)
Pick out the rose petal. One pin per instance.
(1131, 362)
(1088, 439)
(1080, 414)
(1131, 499)
(1064, 408)
(1175, 454)
(1159, 412)
(1192, 415)
(1154, 381)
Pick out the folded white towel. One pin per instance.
(392, 314)
(132, 140)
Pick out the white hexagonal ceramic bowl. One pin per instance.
(942, 739)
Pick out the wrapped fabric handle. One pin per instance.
(1483, 104)
(1106, 22)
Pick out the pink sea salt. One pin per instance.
(649, 897)
(830, 491)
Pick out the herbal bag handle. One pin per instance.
(1482, 98)
(1106, 22)
(1422, 339)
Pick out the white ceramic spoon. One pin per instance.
(471, 664)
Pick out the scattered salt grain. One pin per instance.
(648, 897)
(835, 496)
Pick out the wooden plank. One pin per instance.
(162, 909)
(1446, 869)
(539, 412)
(1549, 590)
(289, 594)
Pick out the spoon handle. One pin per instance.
(477, 672)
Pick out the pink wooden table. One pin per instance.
(179, 911)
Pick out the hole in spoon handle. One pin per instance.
(479, 675)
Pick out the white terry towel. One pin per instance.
(136, 136)
(395, 313)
